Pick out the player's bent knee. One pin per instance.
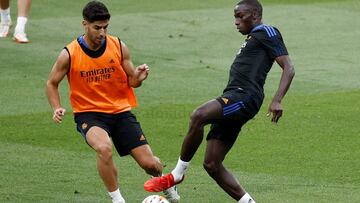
(211, 167)
(104, 151)
(198, 116)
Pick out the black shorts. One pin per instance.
(123, 129)
(238, 108)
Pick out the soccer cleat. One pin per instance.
(4, 29)
(20, 37)
(158, 184)
(172, 194)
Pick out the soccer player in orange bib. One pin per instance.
(101, 79)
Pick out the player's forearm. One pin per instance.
(53, 96)
(135, 82)
(285, 82)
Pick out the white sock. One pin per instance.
(20, 24)
(180, 170)
(246, 199)
(116, 196)
(5, 16)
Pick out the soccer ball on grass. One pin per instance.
(155, 199)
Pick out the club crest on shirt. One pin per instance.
(242, 47)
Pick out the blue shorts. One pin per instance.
(123, 128)
(238, 108)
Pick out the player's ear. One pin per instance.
(84, 22)
(255, 15)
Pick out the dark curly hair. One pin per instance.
(95, 11)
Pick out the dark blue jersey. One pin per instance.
(254, 60)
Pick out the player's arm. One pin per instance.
(135, 75)
(287, 75)
(58, 72)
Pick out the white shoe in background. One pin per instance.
(20, 37)
(4, 29)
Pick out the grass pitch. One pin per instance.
(310, 156)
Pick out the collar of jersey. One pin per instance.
(258, 27)
(83, 42)
(89, 52)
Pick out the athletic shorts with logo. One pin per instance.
(123, 128)
(238, 108)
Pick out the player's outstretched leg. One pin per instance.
(216, 151)
(152, 165)
(200, 117)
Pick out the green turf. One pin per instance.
(310, 156)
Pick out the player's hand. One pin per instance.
(58, 114)
(275, 109)
(142, 72)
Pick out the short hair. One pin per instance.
(254, 4)
(95, 11)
